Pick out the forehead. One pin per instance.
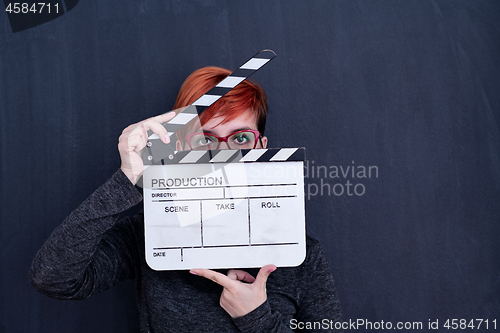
(218, 123)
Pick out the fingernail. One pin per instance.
(167, 138)
(193, 272)
(271, 270)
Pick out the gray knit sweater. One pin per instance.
(92, 251)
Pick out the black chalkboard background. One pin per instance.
(408, 87)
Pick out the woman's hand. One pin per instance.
(242, 292)
(134, 139)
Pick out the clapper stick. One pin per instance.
(237, 156)
(156, 151)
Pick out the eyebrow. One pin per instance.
(237, 130)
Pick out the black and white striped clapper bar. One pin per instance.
(237, 156)
(156, 151)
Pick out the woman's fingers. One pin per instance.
(240, 275)
(216, 277)
(158, 129)
(163, 118)
(155, 124)
(263, 274)
(134, 138)
(238, 298)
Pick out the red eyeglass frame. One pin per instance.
(224, 139)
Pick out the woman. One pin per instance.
(93, 250)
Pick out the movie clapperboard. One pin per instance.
(222, 208)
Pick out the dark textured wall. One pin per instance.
(409, 87)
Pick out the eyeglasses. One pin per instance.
(245, 139)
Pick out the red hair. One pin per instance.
(248, 95)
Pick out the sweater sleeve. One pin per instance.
(318, 306)
(80, 258)
(261, 320)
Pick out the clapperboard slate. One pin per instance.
(225, 209)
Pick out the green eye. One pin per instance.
(241, 138)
